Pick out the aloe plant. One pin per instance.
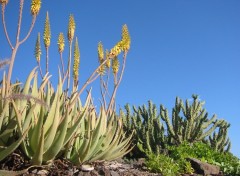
(51, 120)
(8, 121)
(8, 118)
(54, 120)
(99, 138)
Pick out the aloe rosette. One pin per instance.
(99, 138)
(8, 120)
(53, 122)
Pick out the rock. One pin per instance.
(87, 168)
(203, 168)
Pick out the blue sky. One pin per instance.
(179, 47)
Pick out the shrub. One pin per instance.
(228, 163)
(162, 164)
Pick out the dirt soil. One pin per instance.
(15, 165)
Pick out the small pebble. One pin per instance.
(87, 168)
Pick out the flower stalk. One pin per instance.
(47, 38)
(71, 31)
(38, 53)
(61, 45)
(76, 63)
(18, 41)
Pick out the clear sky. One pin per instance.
(179, 47)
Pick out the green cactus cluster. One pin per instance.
(220, 141)
(149, 130)
(188, 123)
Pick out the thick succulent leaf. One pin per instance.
(4, 85)
(7, 151)
(58, 142)
(44, 82)
(119, 149)
(86, 144)
(109, 140)
(4, 113)
(18, 117)
(50, 117)
(38, 155)
(74, 128)
(7, 133)
(28, 81)
(35, 135)
(26, 87)
(53, 129)
(29, 117)
(98, 132)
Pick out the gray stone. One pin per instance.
(203, 168)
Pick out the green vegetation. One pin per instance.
(188, 133)
(189, 123)
(228, 163)
(176, 161)
(47, 122)
(162, 164)
(195, 125)
(149, 131)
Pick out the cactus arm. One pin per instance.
(209, 122)
(165, 117)
(208, 132)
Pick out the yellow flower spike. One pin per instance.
(61, 42)
(38, 51)
(115, 65)
(126, 40)
(116, 50)
(108, 62)
(101, 70)
(35, 7)
(100, 51)
(47, 32)
(4, 2)
(71, 28)
(76, 62)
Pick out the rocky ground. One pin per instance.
(15, 165)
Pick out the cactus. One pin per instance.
(194, 127)
(149, 135)
(189, 123)
(219, 141)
